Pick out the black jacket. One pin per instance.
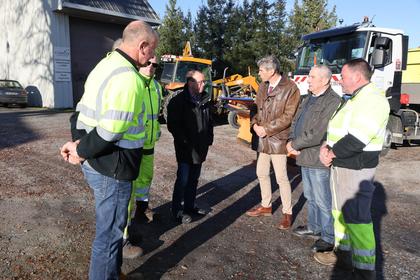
(191, 126)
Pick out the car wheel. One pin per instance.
(23, 105)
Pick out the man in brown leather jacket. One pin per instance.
(277, 101)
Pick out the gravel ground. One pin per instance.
(47, 215)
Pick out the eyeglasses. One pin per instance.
(155, 65)
(201, 82)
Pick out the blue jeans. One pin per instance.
(185, 188)
(111, 202)
(316, 189)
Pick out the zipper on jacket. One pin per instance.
(151, 108)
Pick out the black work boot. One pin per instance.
(344, 259)
(140, 215)
(343, 268)
(362, 274)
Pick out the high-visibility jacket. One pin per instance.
(152, 102)
(356, 131)
(112, 111)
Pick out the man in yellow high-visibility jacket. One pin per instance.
(141, 186)
(355, 137)
(108, 138)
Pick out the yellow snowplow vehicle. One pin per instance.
(174, 71)
(231, 95)
(236, 94)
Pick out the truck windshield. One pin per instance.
(168, 72)
(331, 51)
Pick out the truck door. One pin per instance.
(388, 73)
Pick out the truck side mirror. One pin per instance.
(378, 58)
(379, 54)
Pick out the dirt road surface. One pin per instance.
(47, 215)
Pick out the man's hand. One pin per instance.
(290, 150)
(259, 130)
(69, 152)
(326, 155)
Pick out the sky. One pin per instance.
(403, 14)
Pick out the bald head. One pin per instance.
(139, 41)
(137, 31)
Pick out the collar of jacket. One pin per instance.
(324, 93)
(358, 90)
(126, 56)
(146, 79)
(205, 96)
(283, 81)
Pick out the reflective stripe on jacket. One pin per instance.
(113, 91)
(364, 116)
(152, 102)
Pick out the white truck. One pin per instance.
(386, 51)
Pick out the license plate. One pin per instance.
(12, 93)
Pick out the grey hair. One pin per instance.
(270, 63)
(324, 70)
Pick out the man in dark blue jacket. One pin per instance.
(190, 123)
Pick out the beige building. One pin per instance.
(50, 46)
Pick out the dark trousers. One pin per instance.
(185, 188)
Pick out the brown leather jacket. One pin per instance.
(275, 113)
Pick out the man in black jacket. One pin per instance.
(190, 123)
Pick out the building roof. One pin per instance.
(121, 11)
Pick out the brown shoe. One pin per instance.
(326, 258)
(259, 211)
(286, 222)
(130, 251)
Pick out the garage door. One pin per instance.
(89, 41)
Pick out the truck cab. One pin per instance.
(385, 50)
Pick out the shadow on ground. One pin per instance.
(209, 195)
(14, 131)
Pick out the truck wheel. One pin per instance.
(387, 142)
(233, 119)
(166, 101)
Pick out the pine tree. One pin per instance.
(171, 32)
(279, 18)
(238, 54)
(188, 30)
(311, 16)
(253, 38)
(261, 35)
(210, 26)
